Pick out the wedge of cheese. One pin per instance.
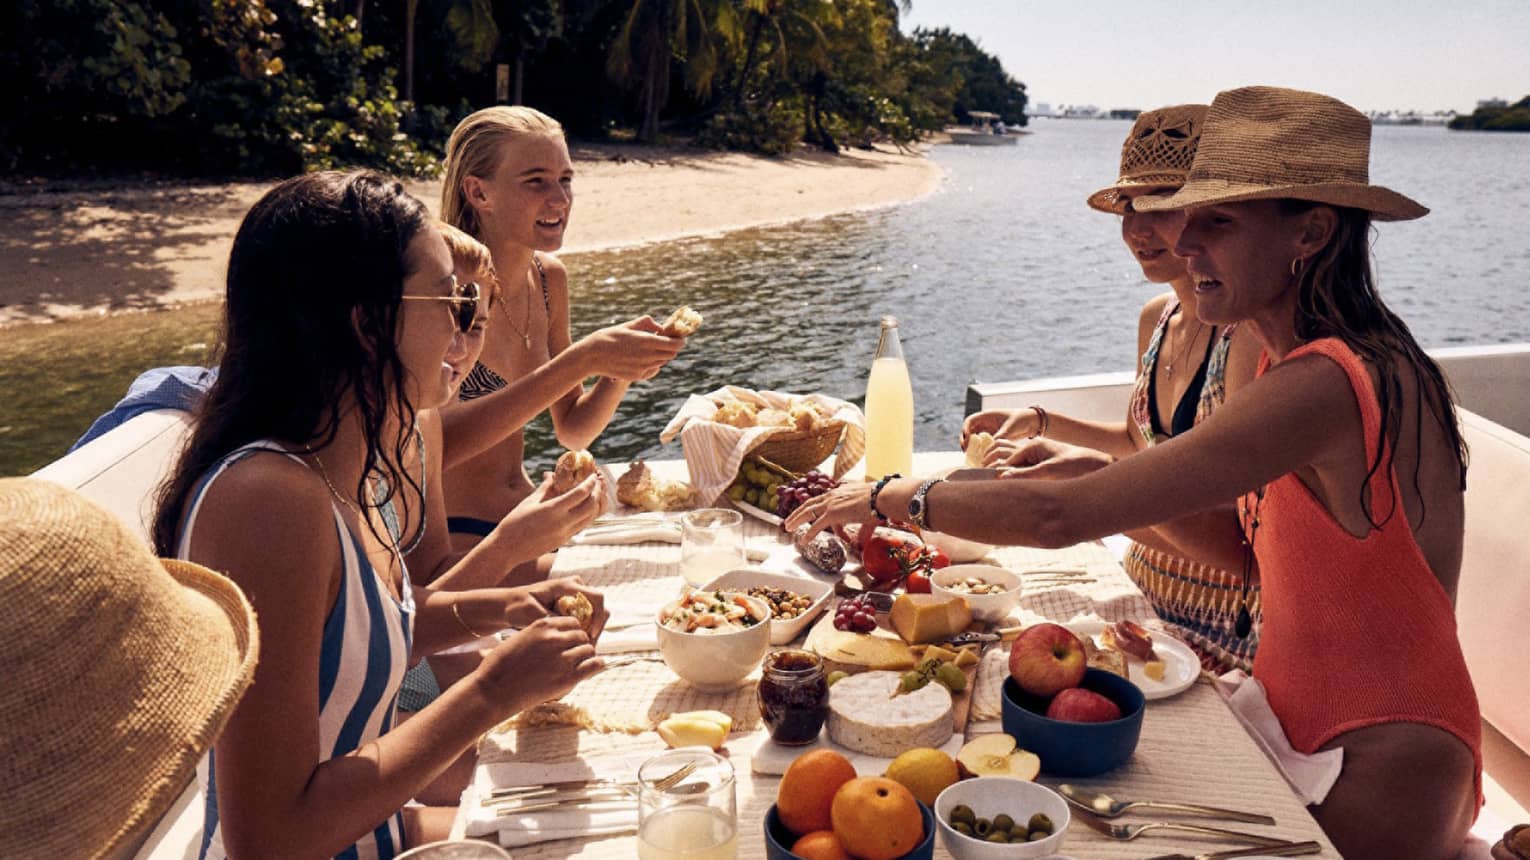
(928, 617)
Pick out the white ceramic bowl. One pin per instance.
(715, 661)
(989, 796)
(992, 608)
(959, 550)
(782, 631)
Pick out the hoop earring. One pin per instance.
(1296, 267)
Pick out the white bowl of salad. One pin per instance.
(714, 639)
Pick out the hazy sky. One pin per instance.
(1374, 54)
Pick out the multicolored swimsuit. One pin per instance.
(1198, 603)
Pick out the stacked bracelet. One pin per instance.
(1042, 421)
(877, 491)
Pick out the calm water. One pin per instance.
(1003, 274)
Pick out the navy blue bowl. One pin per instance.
(1076, 749)
(778, 840)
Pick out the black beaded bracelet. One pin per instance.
(877, 491)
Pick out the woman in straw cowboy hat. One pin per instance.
(1345, 457)
(342, 312)
(120, 669)
(1187, 369)
(509, 183)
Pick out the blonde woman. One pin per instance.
(1187, 369)
(509, 183)
(1344, 457)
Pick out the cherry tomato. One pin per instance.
(917, 583)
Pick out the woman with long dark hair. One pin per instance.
(1345, 456)
(342, 312)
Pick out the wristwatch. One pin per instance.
(918, 511)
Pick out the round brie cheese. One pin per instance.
(866, 716)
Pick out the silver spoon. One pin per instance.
(1105, 806)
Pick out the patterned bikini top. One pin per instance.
(481, 380)
(1213, 386)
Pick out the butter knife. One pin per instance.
(1289, 849)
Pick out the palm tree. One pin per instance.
(655, 33)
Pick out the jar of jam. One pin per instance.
(794, 696)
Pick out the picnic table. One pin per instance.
(1192, 747)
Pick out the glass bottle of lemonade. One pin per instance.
(889, 408)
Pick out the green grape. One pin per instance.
(736, 492)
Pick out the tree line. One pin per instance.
(273, 87)
(1514, 117)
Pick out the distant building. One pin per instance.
(1039, 109)
(1491, 103)
(1081, 111)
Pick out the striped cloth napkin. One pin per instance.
(713, 451)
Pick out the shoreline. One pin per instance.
(67, 254)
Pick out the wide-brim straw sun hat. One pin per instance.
(117, 672)
(1267, 143)
(1156, 156)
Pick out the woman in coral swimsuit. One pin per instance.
(1345, 453)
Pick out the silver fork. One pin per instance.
(523, 792)
(1132, 831)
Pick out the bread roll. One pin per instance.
(577, 607)
(977, 448)
(640, 489)
(682, 323)
(573, 467)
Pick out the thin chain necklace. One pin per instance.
(1184, 352)
(525, 333)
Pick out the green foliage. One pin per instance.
(772, 129)
(1515, 117)
(981, 82)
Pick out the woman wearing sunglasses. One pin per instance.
(509, 183)
(342, 317)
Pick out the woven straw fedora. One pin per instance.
(1156, 155)
(1263, 143)
(118, 671)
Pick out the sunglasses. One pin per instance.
(464, 300)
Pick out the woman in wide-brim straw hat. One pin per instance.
(119, 671)
(1346, 460)
(1187, 369)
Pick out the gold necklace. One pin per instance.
(1168, 369)
(526, 332)
(393, 547)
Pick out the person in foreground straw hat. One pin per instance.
(1345, 458)
(1187, 370)
(119, 671)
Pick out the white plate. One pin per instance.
(751, 510)
(781, 632)
(1181, 667)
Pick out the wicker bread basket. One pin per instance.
(801, 450)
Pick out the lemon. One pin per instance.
(924, 771)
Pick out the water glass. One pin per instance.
(694, 819)
(711, 544)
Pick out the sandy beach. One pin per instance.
(65, 253)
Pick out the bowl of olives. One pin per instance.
(999, 818)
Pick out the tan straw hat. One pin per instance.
(117, 672)
(1263, 143)
(1156, 155)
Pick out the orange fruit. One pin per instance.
(820, 845)
(807, 790)
(876, 818)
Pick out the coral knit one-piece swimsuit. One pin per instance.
(1357, 632)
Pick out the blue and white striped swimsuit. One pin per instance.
(362, 662)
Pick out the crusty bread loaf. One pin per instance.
(682, 323)
(640, 489)
(573, 467)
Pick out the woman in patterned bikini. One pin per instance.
(1186, 371)
(1345, 457)
(509, 183)
(342, 313)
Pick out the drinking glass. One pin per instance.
(711, 544)
(694, 819)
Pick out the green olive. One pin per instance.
(963, 812)
(1039, 821)
(1003, 822)
(962, 827)
(1019, 835)
(1038, 835)
(997, 836)
(982, 827)
(953, 679)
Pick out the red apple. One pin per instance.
(1047, 658)
(1079, 705)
